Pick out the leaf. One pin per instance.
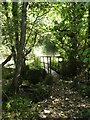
(89, 66)
(81, 51)
(85, 52)
(85, 60)
(8, 106)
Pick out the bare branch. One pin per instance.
(7, 59)
(33, 24)
(28, 51)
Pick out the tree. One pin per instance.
(20, 47)
(17, 36)
(68, 34)
(88, 46)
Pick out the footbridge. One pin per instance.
(50, 62)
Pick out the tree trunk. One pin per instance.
(73, 51)
(16, 28)
(20, 49)
(89, 37)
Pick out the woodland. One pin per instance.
(45, 60)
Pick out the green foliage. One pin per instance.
(8, 105)
(36, 92)
(33, 75)
(19, 108)
(7, 73)
(61, 27)
(36, 64)
(85, 56)
(85, 114)
(21, 103)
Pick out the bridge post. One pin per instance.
(43, 62)
(47, 64)
(53, 60)
(50, 65)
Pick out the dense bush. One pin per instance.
(83, 88)
(33, 75)
(35, 64)
(36, 92)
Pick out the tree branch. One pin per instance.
(7, 59)
(28, 51)
(33, 24)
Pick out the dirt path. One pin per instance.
(63, 102)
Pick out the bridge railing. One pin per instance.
(48, 62)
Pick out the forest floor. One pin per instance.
(64, 103)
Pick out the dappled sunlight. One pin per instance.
(44, 60)
(38, 51)
(45, 56)
(63, 103)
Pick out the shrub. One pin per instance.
(19, 108)
(33, 75)
(36, 92)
